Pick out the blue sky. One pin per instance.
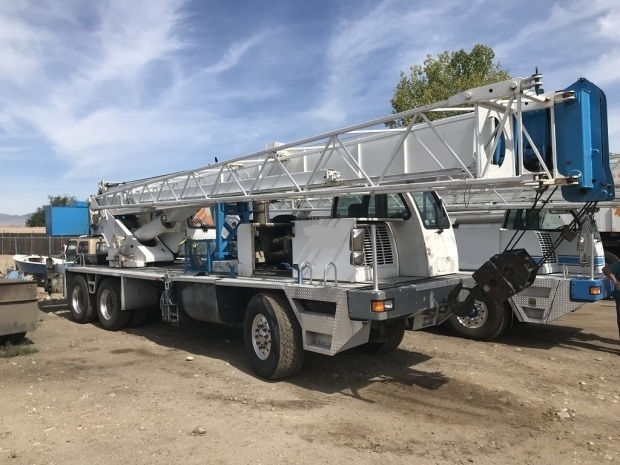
(118, 90)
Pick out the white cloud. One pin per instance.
(96, 104)
(565, 37)
(609, 23)
(366, 54)
(103, 114)
(18, 46)
(535, 30)
(613, 119)
(234, 54)
(606, 69)
(121, 90)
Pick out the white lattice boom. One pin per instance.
(457, 200)
(455, 152)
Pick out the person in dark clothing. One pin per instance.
(612, 271)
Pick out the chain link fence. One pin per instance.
(31, 243)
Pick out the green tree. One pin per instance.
(444, 76)
(38, 217)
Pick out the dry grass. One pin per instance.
(21, 230)
(10, 350)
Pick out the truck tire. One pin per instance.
(394, 333)
(484, 323)
(272, 336)
(109, 306)
(81, 302)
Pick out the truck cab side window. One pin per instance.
(387, 206)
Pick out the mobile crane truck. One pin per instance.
(488, 221)
(557, 289)
(384, 261)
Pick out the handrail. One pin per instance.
(302, 267)
(335, 274)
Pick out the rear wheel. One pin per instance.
(394, 333)
(81, 302)
(484, 322)
(109, 306)
(272, 335)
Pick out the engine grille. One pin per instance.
(385, 254)
(546, 245)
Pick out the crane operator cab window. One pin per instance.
(392, 206)
(388, 206)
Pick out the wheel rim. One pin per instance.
(261, 337)
(477, 317)
(77, 300)
(106, 304)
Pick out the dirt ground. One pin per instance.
(537, 395)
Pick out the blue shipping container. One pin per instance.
(67, 221)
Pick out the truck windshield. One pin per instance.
(432, 211)
(71, 251)
(370, 206)
(539, 220)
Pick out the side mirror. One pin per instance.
(356, 245)
(357, 258)
(356, 239)
(581, 244)
(584, 259)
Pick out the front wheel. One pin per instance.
(272, 336)
(394, 333)
(109, 306)
(484, 323)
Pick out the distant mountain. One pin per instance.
(13, 220)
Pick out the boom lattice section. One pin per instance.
(486, 146)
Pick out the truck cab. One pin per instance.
(408, 226)
(537, 230)
(90, 250)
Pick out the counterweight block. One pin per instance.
(505, 274)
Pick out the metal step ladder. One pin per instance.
(169, 310)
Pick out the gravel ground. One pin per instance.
(158, 394)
